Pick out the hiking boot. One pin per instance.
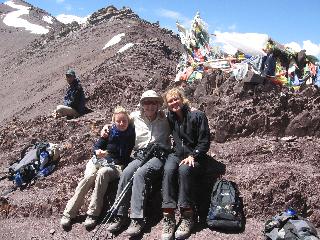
(118, 223)
(136, 227)
(169, 224)
(90, 222)
(186, 225)
(65, 222)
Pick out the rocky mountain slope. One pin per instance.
(249, 130)
(36, 73)
(15, 39)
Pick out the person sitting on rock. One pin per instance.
(74, 100)
(111, 156)
(151, 127)
(191, 135)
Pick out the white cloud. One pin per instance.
(68, 7)
(311, 48)
(249, 43)
(229, 49)
(64, 18)
(175, 16)
(294, 46)
(232, 27)
(169, 14)
(253, 43)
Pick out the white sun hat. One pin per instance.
(151, 95)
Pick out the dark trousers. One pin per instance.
(145, 175)
(178, 185)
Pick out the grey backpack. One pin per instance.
(39, 159)
(289, 226)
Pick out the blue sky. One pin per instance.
(285, 21)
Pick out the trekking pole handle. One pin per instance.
(147, 156)
(150, 152)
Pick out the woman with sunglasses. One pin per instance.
(151, 126)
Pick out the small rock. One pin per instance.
(274, 139)
(289, 139)
(52, 231)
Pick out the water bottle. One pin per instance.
(44, 159)
(18, 179)
(46, 171)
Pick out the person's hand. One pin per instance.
(101, 153)
(189, 161)
(105, 131)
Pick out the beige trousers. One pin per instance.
(62, 111)
(98, 178)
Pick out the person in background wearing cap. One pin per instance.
(151, 126)
(74, 100)
(191, 135)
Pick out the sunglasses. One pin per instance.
(149, 102)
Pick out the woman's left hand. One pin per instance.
(105, 131)
(189, 161)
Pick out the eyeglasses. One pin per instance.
(148, 102)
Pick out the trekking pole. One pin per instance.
(121, 196)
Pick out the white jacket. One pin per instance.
(147, 131)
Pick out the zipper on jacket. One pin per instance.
(182, 145)
(182, 148)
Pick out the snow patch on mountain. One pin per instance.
(47, 19)
(116, 39)
(13, 19)
(125, 47)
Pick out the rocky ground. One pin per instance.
(268, 138)
(273, 173)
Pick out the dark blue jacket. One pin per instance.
(268, 66)
(75, 97)
(192, 135)
(119, 144)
